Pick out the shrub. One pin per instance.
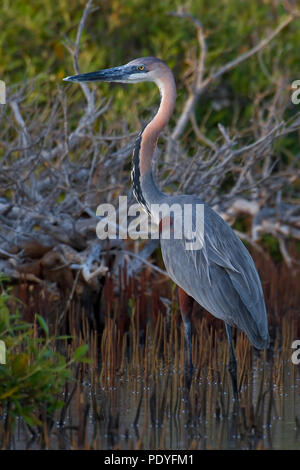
(35, 373)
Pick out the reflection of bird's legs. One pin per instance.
(232, 366)
(186, 307)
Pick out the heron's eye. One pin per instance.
(141, 67)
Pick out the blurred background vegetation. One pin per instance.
(32, 36)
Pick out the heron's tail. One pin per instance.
(257, 331)
(261, 343)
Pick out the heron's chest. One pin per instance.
(184, 267)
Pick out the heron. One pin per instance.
(221, 276)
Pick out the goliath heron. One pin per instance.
(221, 276)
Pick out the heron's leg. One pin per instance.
(186, 307)
(232, 366)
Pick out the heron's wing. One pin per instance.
(221, 275)
(224, 248)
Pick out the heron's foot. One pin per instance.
(232, 369)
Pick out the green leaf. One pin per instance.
(43, 324)
(80, 352)
(9, 392)
(87, 360)
(20, 363)
(31, 419)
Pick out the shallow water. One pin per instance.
(135, 395)
(207, 425)
(131, 414)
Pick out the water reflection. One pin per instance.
(131, 415)
(160, 412)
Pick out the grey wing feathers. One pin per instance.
(239, 266)
(222, 277)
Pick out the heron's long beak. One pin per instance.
(115, 74)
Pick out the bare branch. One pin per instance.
(202, 84)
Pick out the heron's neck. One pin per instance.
(145, 189)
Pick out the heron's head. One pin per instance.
(144, 69)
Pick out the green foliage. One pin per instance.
(241, 223)
(35, 372)
(32, 36)
(272, 245)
